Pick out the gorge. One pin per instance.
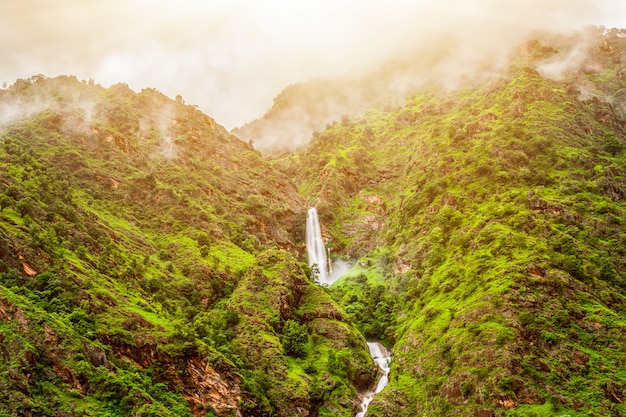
(382, 357)
(317, 256)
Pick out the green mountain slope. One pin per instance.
(148, 266)
(151, 263)
(489, 226)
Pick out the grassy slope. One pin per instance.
(499, 211)
(143, 254)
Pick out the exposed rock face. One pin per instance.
(206, 387)
(203, 386)
(97, 356)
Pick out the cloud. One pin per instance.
(231, 57)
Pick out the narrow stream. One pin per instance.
(382, 357)
(317, 256)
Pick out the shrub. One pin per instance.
(295, 339)
(5, 201)
(550, 338)
(612, 145)
(204, 240)
(467, 389)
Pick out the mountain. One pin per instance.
(487, 226)
(149, 266)
(304, 108)
(151, 263)
(307, 107)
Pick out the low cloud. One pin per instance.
(232, 57)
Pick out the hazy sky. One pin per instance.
(231, 57)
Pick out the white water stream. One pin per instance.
(318, 257)
(382, 357)
(315, 246)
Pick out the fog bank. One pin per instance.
(231, 57)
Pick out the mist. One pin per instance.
(232, 57)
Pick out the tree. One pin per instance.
(203, 239)
(315, 273)
(25, 206)
(612, 145)
(295, 339)
(5, 201)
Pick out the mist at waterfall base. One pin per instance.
(327, 271)
(338, 269)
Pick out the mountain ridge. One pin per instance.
(136, 235)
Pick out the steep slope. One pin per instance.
(148, 266)
(489, 226)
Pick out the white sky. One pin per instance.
(231, 57)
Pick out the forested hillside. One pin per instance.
(488, 227)
(150, 266)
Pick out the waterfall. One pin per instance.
(382, 357)
(317, 256)
(315, 246)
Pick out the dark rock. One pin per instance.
(483, 412)
(579, 358)
(613, 392)
(536, 270)
(96, 356)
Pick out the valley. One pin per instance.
(153, 263)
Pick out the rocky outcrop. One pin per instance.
(205, 387)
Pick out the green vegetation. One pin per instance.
(295, 338)
(147, 267)
(487, 225)
(151, 263)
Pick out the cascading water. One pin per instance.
(315, 246)
(317, 256)
(382, 357)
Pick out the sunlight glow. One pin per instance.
(232, 57)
